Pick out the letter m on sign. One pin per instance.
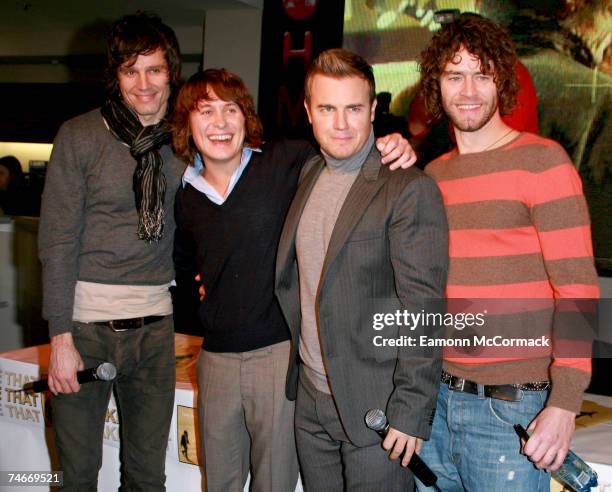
(288, 113)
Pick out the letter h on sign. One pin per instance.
(305, 53)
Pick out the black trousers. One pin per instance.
(144, 391)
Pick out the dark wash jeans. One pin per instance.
(144, 391)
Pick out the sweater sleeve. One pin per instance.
(302, 153)
(185, 294)
(299, 152)
(61, 224)
(560, 215)
(184, 254)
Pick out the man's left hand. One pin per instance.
(396, 150)
(401, 444)
(551, 433)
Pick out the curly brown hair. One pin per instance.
(484, 39)
(227, 86)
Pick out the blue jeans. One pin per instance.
(473, 446)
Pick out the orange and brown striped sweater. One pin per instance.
(519, 228)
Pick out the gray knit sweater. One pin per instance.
(88, 221)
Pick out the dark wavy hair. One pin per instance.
(227, 86)
(339, 63)
(484, 39)
(140, 34)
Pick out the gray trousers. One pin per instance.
(246, 421)
(329, 462)
(144, 390)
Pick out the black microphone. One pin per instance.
(376, 420)
(104, 372)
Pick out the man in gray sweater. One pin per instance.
(105, 241)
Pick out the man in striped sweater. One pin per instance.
(519, 229)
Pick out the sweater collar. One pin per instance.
(352, 163)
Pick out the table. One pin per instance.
(593, 438)
(27, 436)
(24, 427)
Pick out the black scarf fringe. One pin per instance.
(149, 182)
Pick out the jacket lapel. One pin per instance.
(286, 245)
(366, 185)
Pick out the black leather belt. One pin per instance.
(508, 392)
(129, 324)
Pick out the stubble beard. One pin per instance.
(467, 125)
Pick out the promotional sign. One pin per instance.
(294, 33)
(16, 406)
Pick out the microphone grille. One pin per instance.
(106, 371)
(376, 419)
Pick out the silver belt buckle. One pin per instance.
(111, 325)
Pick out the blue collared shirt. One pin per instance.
(193, 176)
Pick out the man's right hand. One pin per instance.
(64, 363)
(401, 444)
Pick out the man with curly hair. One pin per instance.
(519, 229)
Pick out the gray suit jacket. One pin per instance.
(388, 251)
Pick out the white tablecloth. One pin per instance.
(26, 442)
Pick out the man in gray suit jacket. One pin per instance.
(358, 241)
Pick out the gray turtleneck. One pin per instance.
(313, 235)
